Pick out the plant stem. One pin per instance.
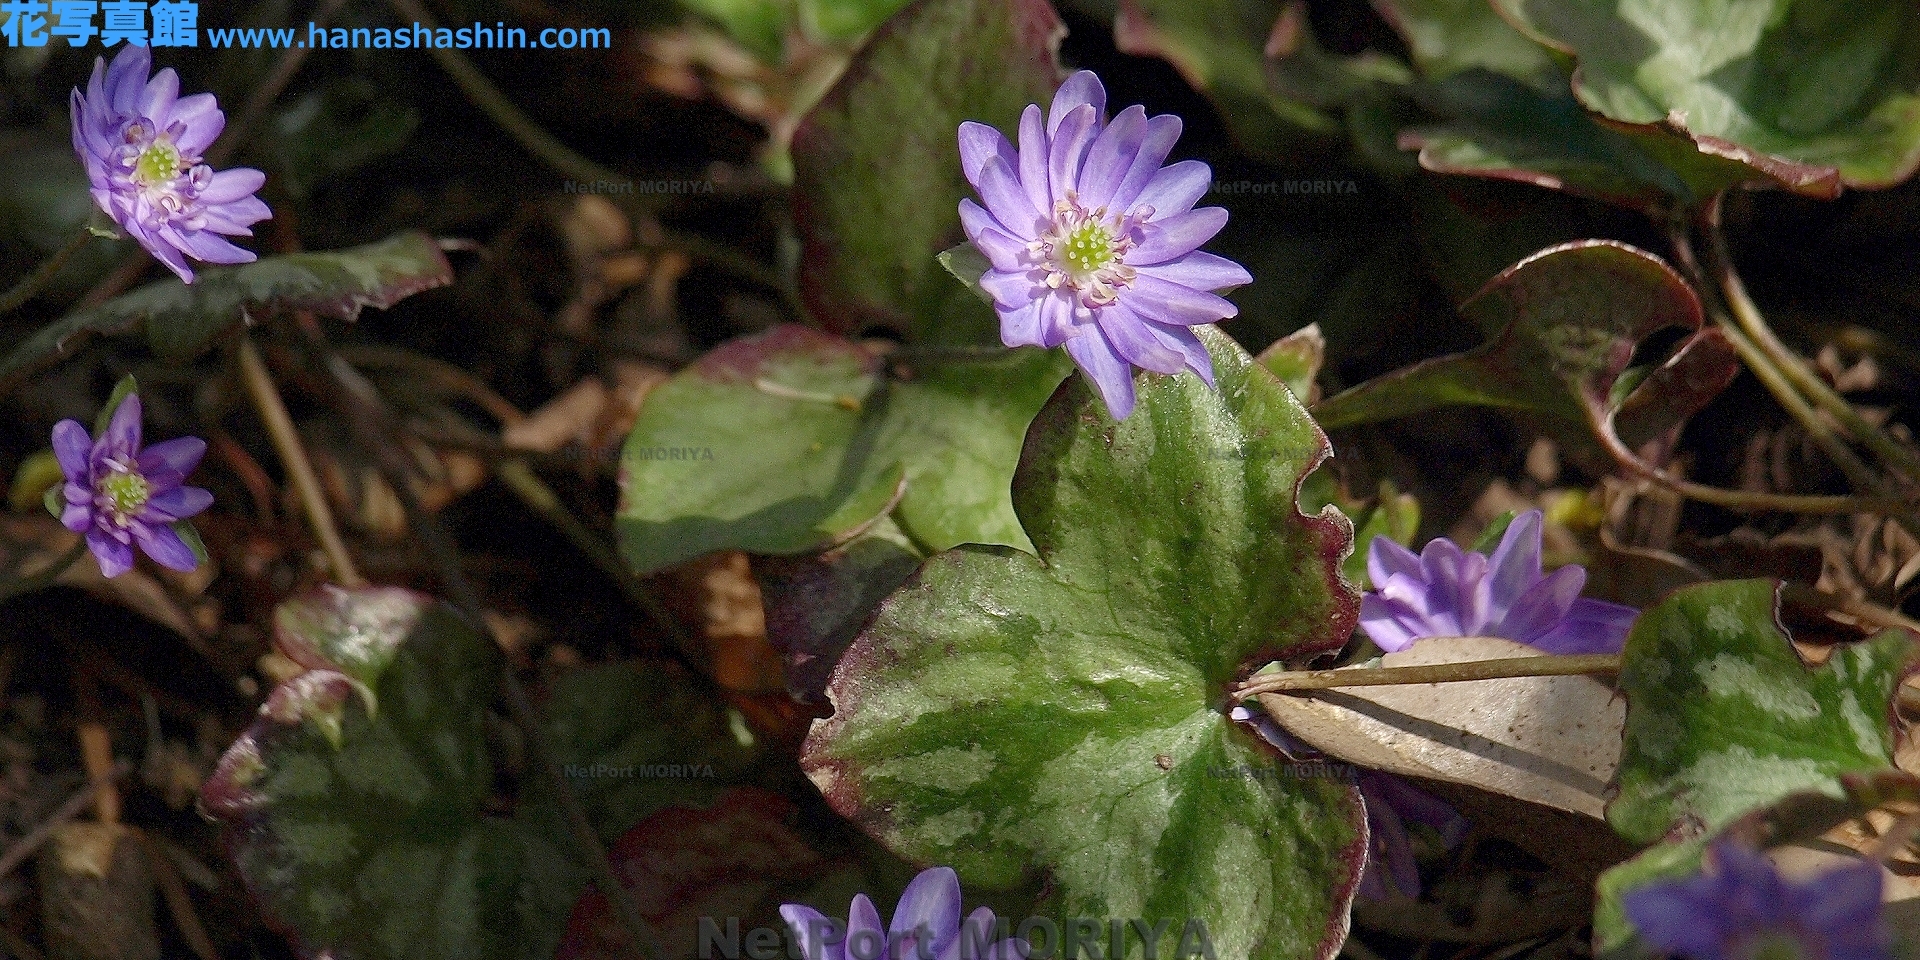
(31, 285)
(1748, 316)
(377, 429)
(1503, 669)
(293, 455)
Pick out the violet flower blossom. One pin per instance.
(1094, 244)
(1449, 592)
(1391, 804)
(926, 926)
(120, 495)
(1740, 908)
(141, 144)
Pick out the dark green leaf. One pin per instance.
(877, 181)
(1808, 93)
(1447, 37)
(126, 387)
(792, 441)
(816, 603)
(1063, 716)
(181, 320)
(1723, 717)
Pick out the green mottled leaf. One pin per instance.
(1564, 324)
(1064, 716)
(792, 441)
(366, 836)
(877, 181)
(1723, 717)
(1810, 93)
(181, 320)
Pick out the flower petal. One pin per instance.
(1187, 342)
(1111, 157)
(1111, 376)
(1069, 152)
(73, 448)
(201, 122)
(179, 503)
(1392, 627)
(1201, 270)
(122, 439)
(1007, 202)
(164, 546)
(1386, 558)
(1169, 238)
(1543, 606)
(1013, 289)
(978, 143)
(819, 936)
(1169, 302)
(115, 558)
(1590, 626)
(1174, 190)
(156, 101)
(1081, 89)
(1162, 132)
(78, 516)
(1034, 147)
(1516, 562)
(929, 911)
(209, 247)
(989, 238)
(866, 938)
(230, 186)
(1136, 344)
(127, 79)
(181, 455)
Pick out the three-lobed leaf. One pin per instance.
(1064, 715)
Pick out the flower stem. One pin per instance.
(34, 282)
(1795, 370)
(293, 455)
(1503, 669)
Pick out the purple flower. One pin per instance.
(141, 143)
(120, 495)
(1093, 244)
(926, 925)
(1740, 908)
(1390, 803)
(1449, 592)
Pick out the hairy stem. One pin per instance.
(293, 455)
(1504, 669)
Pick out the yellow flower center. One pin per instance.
(126, 492)
(1088, 247)
(158, 164)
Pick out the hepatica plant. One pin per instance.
(915, 604)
